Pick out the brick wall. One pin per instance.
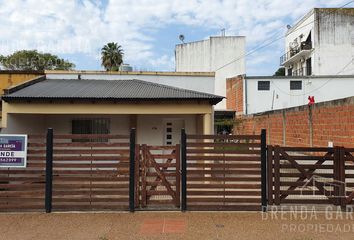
(315, 126)
(234, 94)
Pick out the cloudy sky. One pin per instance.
(148, 29)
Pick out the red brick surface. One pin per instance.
(331, 121)
(234, 94)
(162, 225)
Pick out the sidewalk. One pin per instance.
(170, 225)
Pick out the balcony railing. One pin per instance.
(293, 52)
(301, 72)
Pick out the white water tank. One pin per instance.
(125, 68)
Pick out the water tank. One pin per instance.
(125, 68)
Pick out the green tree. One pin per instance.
(280, 72)
(34, 60)
(112, 56)
(2, 58)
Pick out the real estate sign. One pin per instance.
(13, 150)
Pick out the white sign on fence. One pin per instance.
(13, 150)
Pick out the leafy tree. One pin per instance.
(2, 58)
(280, 72)
(112, 56)
(33, 60)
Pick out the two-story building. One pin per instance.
(321, 43)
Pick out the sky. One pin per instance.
(148, 30)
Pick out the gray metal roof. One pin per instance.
(114, 90)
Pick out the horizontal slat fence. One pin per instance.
(23, 189)
(223, 172)
(90, 172)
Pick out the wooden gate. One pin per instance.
(310, 175)
(348, 173)
(158, 177)
(224, 172)
(298, 178)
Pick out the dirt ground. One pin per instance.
(174, 225)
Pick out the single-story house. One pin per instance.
(74, 106)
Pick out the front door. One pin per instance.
(172, 131)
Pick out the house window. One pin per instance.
(263, 85)
(90, 126)
(295, 85)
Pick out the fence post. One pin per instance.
(270, 174)
(49, 171)
(132, 171)
(276, 160)
(342, 188)
(336, 176)
(184, 170)
(264, 169)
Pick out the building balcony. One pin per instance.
(296, 54)
(301, 72)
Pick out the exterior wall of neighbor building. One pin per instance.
(324, 124)
(332, 36)
(335, 41)
(11, 78)
(216, 54)
(150, 129)
(202, 82)
(279, 96)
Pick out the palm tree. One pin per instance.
(112, 56)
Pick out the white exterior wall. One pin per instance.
(25, 124)
(210, 55)
(38, 124)
(335, 38)
(192, 82)
(332, 36)
(322, 88)
(150, 128)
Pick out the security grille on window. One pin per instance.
(91, 126)
(263, 85)
(295, 85)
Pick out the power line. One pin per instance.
(329, 13)
(275, 40)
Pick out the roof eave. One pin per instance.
(13, 99)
